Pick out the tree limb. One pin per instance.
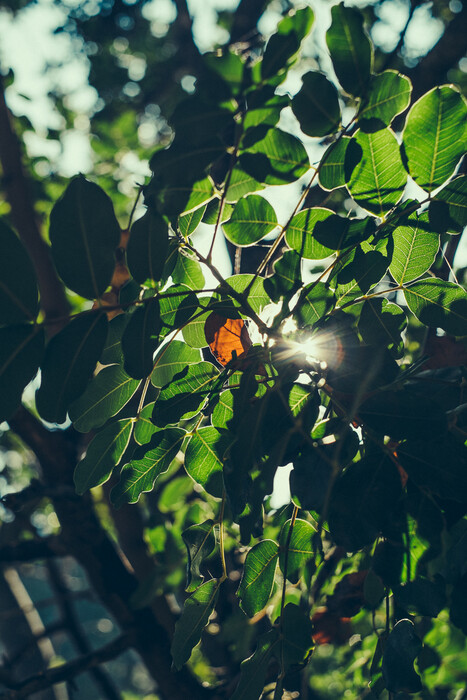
(29, 550)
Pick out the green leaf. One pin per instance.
(276, 159)
(70, 358)
(144, 427)
(364, 502)
(350, 49)
(311, 228)
(178, 306)
(448, 209)
(185, 394)
(172, 359)
(378, 180)
(112, 352)
(18, 286)
(141, 338)
(147, 247)
(188, 271)
(108, 392)
(316, 299)
(415, 248)
(204, 459)
(252, 219)
(84, 234)
(381, 323)
(402, 414)
(21, 349)
(196, 612)
(438, 304)
(439, 465)
(148, 462)
(435, 136)
(316, 105)
(103, 453)
(401, 649)
(257, 296)
(254, 669)
(258, 576)
(223, 410)
(264, 107)
(388, 95)
(299, 550)
(188, 223)
(179, 197)
(338, 163)
(240, 184)
(200, 543)
(297, 641)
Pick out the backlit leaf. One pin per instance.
(378, 180)
(148, 462)
(107, 393)
(276, 159)
(381, 323)
(204, 458)
(254, 669)
(388, 95)
(200, 543)
(185, 394)
(196, 612)
(103, 453)
(258, 576)
(415, 248)
(251, 220)
(311, 229)
(338, 163)
(448, 209)
(316, 105)
(171, 359)
(84, 234)
(435, 136)
(438, 304)
(299, 549)
(227, 338)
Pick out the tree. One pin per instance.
(168, 404)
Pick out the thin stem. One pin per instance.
(221, 539)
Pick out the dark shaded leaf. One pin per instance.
(402, 414)
(84, 234)
(147, 248)
(21, 350)
(200, 543)
(141, 338)
(401, 650)
(254, 669)
(276, 159)
(185, 394)
(19, 299)
(422, 596)
(316, 105)
(196, 612)
(70, 358)
(381, 323)
(103, 453)
(350, 49)
(338, 163)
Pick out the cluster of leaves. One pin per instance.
(376, 441)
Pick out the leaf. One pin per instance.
(401, 649)
(223, 410)
(415, 248)
(103, 453)
(108, 392)
(188, 271)
(19, 299)
(258, 576)
(191, 189)
(185, 394)
(316, 105)
(252, 219)
(403, 414)
(338, 163)
(297, 642)
(240, 184)
(188, 223)
(112, 352)
(148, 247)
(316, 233)
(388, 95)
(448, 209)
(364, 502)
(276, 159)
(439, 465)
(141, 338)
(200, 543)
(286, 278)
(350, 49)
(458, 607)
(196, 612)
(283, 46)
(172, 359)
(316, 299)
(144, 428)
(177, 307)
(257, 296)
(21, 349)
(299, 550)
(204, 458)
(438, 304)
(422, 596)
(227, 338)
(148, 462)
(381, 323)
(378, 180)
(435, 136)
(70, 358)
(254, 669)
(84, 234)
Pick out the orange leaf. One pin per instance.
(227, 338)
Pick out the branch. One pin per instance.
(53, 299)
(29, 550)
(69, 670)
(246, 18)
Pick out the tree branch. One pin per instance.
(69, 670)
(53, 299)
(29, 550)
